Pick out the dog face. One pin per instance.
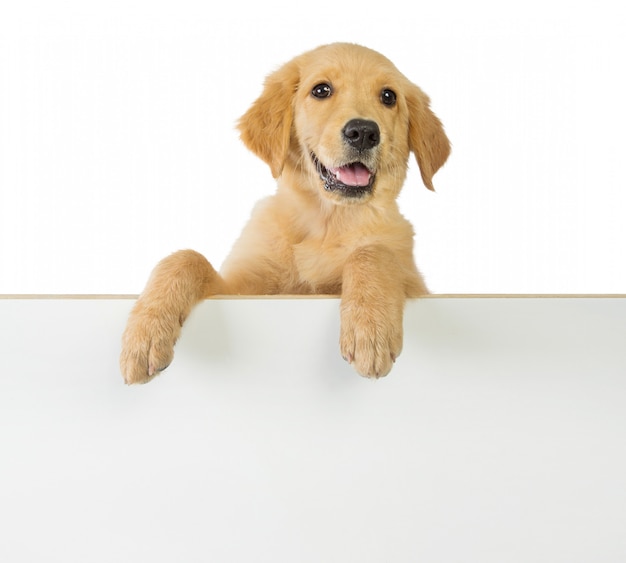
(342, 120)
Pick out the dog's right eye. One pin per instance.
(322, 91)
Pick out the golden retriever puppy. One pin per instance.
(336, 125)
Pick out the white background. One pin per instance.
(118, 146)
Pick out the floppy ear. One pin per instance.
(266, 127)
(427, 138)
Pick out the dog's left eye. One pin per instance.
(322, 91)
(388, 97)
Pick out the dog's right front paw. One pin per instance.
(147, 347)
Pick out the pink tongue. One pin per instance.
(353, 175)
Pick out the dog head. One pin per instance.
(344, 119)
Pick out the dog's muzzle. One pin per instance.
(352, 180)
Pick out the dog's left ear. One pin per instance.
(266, 127)
(427, 138)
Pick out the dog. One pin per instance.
(336, 125)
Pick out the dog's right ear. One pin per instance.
(266, 127)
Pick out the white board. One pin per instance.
(498, 436)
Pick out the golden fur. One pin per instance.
(325, 230)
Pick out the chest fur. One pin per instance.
(320, 262)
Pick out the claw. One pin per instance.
(152, 370)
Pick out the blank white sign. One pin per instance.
(498, 436)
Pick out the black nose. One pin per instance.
(361, 134)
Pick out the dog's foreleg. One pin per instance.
(372, 306)
(176, 284)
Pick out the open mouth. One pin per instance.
(351, 180)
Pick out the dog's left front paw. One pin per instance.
(371, 343)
